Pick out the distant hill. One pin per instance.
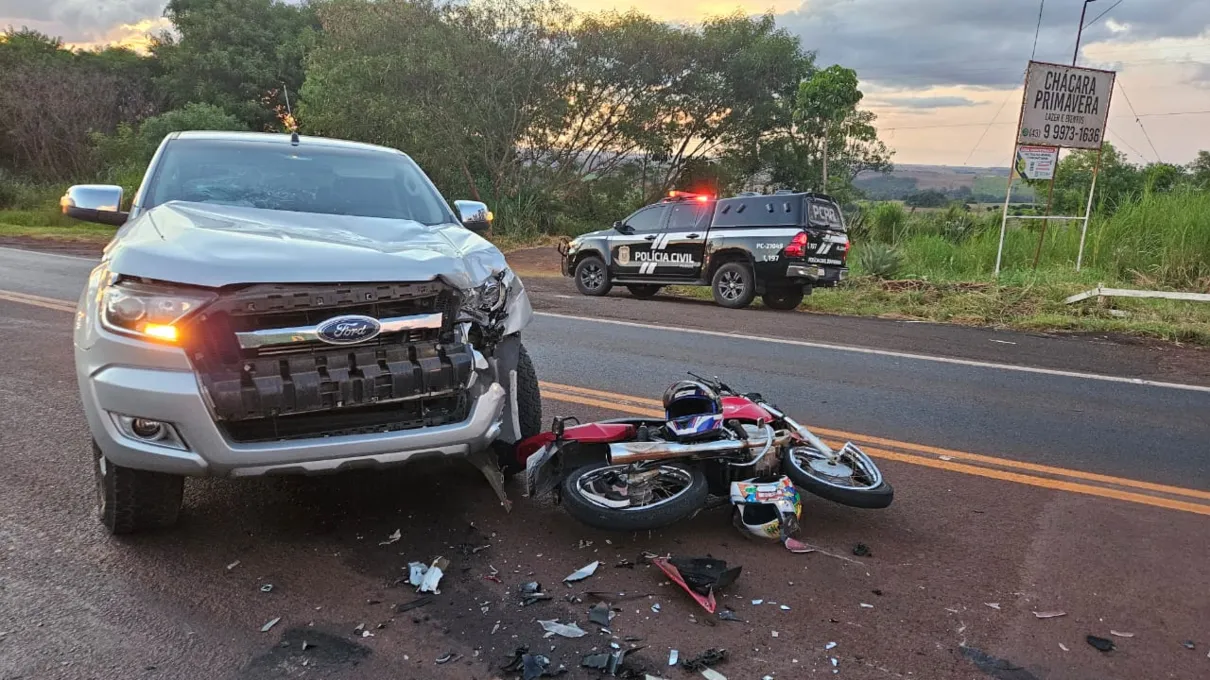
(964, 183)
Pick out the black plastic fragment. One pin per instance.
(705, 660)
(862, 550)
(1102, 644)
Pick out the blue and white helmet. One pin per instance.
(692, 410)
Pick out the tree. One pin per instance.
(1200, 167)
(1118, 181)
(929, 198)
(242, 56)
(52, 98)
(826, 136)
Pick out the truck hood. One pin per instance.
(214, 245)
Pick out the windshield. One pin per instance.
(315, 179)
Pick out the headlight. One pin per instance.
(488, 296)
(148, 311)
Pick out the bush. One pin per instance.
(879, 260)
(886, 223)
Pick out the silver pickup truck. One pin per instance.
(276, 304)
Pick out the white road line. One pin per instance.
(890, 353)
(39, 252)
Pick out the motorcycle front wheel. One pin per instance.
(621, 498)
(851, 478)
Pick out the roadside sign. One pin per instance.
(1036, 162)
(1065, 106)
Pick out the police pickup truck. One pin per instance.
(779, 246)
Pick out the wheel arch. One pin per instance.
(727, 254)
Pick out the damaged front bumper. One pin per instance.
(121, 378)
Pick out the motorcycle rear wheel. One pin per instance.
(683, 495)
(847, 484)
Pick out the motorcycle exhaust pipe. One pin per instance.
(627, 453)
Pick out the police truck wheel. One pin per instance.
(643, 291)
(592, 278)
(734, 285)
(783, 298)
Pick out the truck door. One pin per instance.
(631, 253)
(682, 246)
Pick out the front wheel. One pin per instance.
(622, 498)
(529, 413)
(130, 501)
(849, 478)
(592, 278)
(783, 299)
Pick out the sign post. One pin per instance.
(1063, 107)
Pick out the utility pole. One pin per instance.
(824, 189)
(1083, 12)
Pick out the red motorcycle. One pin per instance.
(633, 474)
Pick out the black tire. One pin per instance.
(529, 413)
(869, 499)
(783, 299)
(733, 285)
(643, 291)
(592, 277)
(610, 519)
(130, 501)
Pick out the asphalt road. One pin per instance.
(1046, 497)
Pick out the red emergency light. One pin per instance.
(687, 194)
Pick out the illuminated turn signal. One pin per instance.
(158, 331)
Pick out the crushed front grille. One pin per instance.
(314, 377)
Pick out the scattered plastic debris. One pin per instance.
(1121, 634)
(775, 633)
(835, 661)
(711, 674)
(830, 645)
(427, 578)
(993, 605)
(553, 627)
(532, 592)
(756, 602)
(624, 564)
(1102, 644)
(531, 666)
(656, 607)
(446, 658)
(785, 607)
(584, 543)
(392, 538)
(232, 565)
(272, 622)
(866, 606)
(796, 546)
(409, 606)
(1049, 615)
(609, 662)
(600, 614)
(582, 573)
(672, 657)
(267, 588)
(1063, 647)
(710, 657)
(862, 550)
(729, 615)
(699, 576)
(1188, 644)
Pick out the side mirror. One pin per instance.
(100, 203)
(623, 228)
(474, 215)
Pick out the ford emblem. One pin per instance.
(348, 330)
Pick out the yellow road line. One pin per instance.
(618, 402)
(37, 301)
(608, 397)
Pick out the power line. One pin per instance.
(1138, 120)
(1041, 6)
(989, 124)
(1103, 13)
(1127, 145)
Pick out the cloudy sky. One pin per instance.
(937, 72)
